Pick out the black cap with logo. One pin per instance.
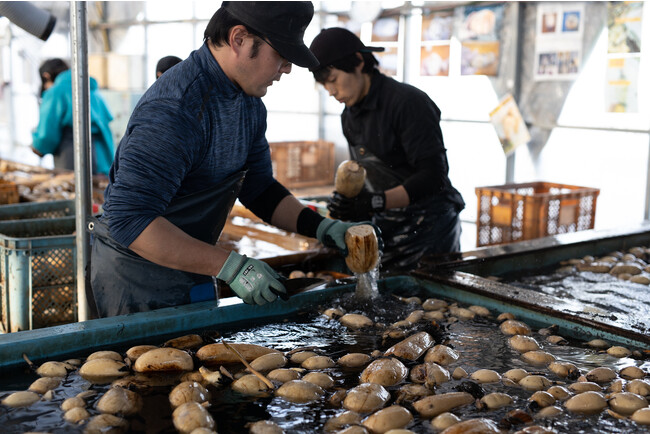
(283, 23)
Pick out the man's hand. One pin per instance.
(332, 234)
(252, 280)
(360, 207)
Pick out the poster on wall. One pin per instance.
(437, 26)
(480, 23)
(385, 30)
(479, 58)
(621, 91)
(624, 24)
(478, 33)
(434, 60)
(388, 61)
(347, 23)
(509, 124)
(624, 27)
(558, 41)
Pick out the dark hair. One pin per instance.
(219, 27)
(53, 67)
(347, 64)
(167, 62)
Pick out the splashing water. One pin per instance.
(367, 284)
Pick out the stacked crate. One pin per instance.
(37, 265)
(303, 164)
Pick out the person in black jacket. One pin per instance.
(393, 131)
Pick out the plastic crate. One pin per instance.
(37, 259)
(303, 164)
(37, 210)
(518, 212)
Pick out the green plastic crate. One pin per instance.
(37, 210)
(37, 261)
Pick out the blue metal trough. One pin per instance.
(84, 337)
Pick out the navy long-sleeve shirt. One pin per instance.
(191, 129)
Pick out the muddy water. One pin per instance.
(479, 342)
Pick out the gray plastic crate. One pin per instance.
(37, 210)
(37, 260)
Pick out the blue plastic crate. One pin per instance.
(37, 210)
(37, 261)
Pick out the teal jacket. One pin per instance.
(56, 115)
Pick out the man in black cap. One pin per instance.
(393, 131)
(194, 144)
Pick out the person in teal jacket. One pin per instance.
(53, 135)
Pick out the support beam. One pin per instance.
(82, 145)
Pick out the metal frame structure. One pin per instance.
(82, 145)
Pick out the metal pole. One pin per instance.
(82, 145)
(520, 18)
(646, 213)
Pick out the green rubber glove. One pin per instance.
(332, 234)
(252, 280)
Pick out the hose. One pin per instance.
(28, 17)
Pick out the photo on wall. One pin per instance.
(478, 31)
(434, 60)
(571, 21)
(558, 41)
(481, 23)
(479, 58)
(621, 91)
(558, 63)
(437, 26)
(624, 25)
(509, 124)
(549, 22)
(385, 30)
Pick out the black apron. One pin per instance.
(428, 226)
(123, 282)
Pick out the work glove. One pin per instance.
(332, 234)
(360, 207)
(252, 280)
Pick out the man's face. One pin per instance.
(347, 87)
(256, 74)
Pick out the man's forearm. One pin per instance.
(285, 215)
(165, 244)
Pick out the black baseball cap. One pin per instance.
(336, 43)
(283, 23)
